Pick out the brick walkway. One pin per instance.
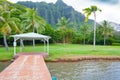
(26, 67)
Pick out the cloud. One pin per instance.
(109, 12)
(113, 2)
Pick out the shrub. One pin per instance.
(77, 40)
(109, 41)
(115, 44)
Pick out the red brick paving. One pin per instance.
(26, 67)
(44, 54)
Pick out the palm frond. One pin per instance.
(15, 27)
(28, 26)
(14, 19)
(2, 19)
(5, 29)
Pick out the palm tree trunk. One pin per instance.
(84, 39)
(21, 43)
(64, 40)
(94, 40)
(33, 32)
(104, 40)
(5, 42)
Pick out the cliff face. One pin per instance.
(52, 12)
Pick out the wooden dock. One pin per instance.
(26, 67)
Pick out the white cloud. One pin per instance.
(109, 12)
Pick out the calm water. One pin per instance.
(82, 70)
(3, 65)
(85, 70)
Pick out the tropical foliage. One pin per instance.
(66, 32)
(15, 19)
(8, 23)
(32, 22)
(88, 12)
(84, 31)
(107, 30)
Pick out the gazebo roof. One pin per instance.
(31, 35)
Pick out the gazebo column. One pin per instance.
(34, 43)
(14, 44)
(44, 46)
(48, 46)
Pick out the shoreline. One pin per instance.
(79, 58)
(86, 58)
(5, 60)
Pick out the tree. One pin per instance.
(62, 23)
(32, 22)
(84, 30)
(51, 32)
(107, 30)
(99, 34)
(88, 12)
(69, 35)
(8, 23)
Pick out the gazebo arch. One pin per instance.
(31, 36)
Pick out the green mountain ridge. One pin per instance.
(52, 12)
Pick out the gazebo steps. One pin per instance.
(44, 54)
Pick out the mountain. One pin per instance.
(52, 12)
(115, 25)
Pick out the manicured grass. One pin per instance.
(61, 51)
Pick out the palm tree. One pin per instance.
(99, 32)
(62, 23)
(8, 23)
(68, 34)
(107, 30)
(88, 12)
(84, 30)
(4, 5)
(32, 22)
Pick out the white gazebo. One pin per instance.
(31, 36)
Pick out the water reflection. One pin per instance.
(85, 70)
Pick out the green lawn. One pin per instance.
(59, 50)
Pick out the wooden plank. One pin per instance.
(26, 67)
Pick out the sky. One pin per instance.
(110, 12)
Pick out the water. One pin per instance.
(3, 65)
(85, 70)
